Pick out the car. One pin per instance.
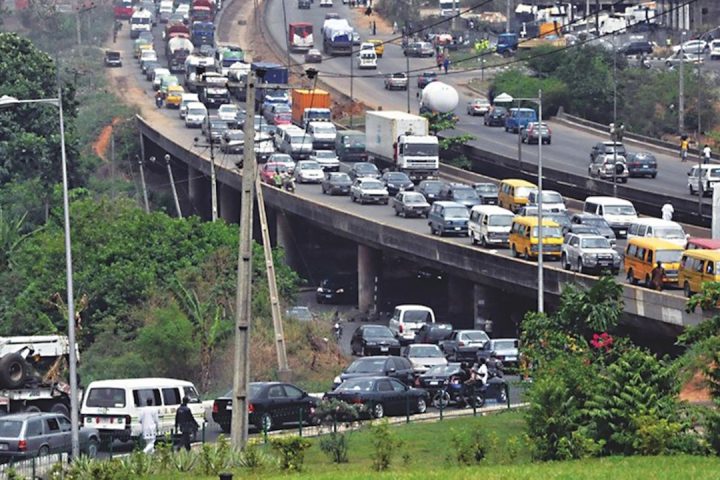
(694, 46)
(374, 339)
(368, 190)
(232, 141)
(186, 99)
(258, 120)
(364, 170)
(278, 114)
(641, 164)
(148, 67)
(195, 114)
(495, 117)
(385, 365)
(488, 193)
(356, 38)
(270, 169)
(504, 349)
(425, 78)
(424, 356)
(419, 49)
(534, 131)
(588, 253)
(463, 345)
(213, 129)
(715, 49)
(433, 333)
(379, 46)
(396, 81)
(304, 5)
(460, 193)
(283, 159)
(552, 201)
(326, 3)
(299, 313)
(308, 171)
(688, 58)
(430, 189)
(410, 204)
(448, 217)
(518, 118)
(173, 97)
(332, 16)
(327, 159)
(38, 434)
(313, 56)
(270, 405)
(435, 378)
(636, 48)
(580, 228)
(478, 106)
(338, 288)
(336, 183)
(228, 113)
(113, 58)
(158, 74)
(168, 81)
(607, 148)
(429, 274)
(396, 182)
(381, 396)
(609, 167)
(562, 218)
(703, 177)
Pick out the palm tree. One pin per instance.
(11, 237)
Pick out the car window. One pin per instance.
(293, 392)
(65, 425)
(384, 386)
(171, 396)
(10, 428)
(276, 391)
(397, 386)
(34, 428)
(141, 396)
(106, 397)
(51, 425)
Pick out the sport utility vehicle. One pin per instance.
(606, 148)
(636, 48)
(448, 217)
(419, 49)
(589, 253)
(395, 81)
(609, 167)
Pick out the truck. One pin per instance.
(337, 37)
(202, 33)
(507, 43)
(202, 11)
(401, 141)
(314, 101)
(34, 374)
(177, 50)
(268, 73)
(350, 146)
(212, 90)
(123, 9)
(300, 36)
(227, 55)
(141, 21)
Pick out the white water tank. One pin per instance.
(440, 97)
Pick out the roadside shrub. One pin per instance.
(470, 448)
(332, 412)
(335, 445)
(654, 435)
(253, 457)
(291, 450)
(215, 458)
(385, 443)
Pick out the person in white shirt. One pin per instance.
(482, 371)
(149, 420)
(667, 211)
(706, 153)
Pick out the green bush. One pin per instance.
(385, 444)
(291, 450)
(470, 448)
(335, 445)
(654, 435)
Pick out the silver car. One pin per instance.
(589, 253)
(424, 356)
(609, 167)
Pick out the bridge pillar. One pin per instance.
(497, 317)
(229, 203)
(286, 239)
(368, 275)
(460, 295)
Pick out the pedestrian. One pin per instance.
(446, 63)
(374, 27)
(657, 275)
(684, 146)
(149, 421)
(439, 60)
(706, 153)
(667, 211)
(394, 28)
(185, 423)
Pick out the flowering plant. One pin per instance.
(602, 341)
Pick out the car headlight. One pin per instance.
(340, 290)
(319, 290)
(589, 258)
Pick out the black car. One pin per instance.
(303, 4)
(149, 66)
(426, 78)
(377, 339)
(561, 218)
(597, 222)
(336, 183)
(641, 164)
(430, 189)
(270, 405)
(364, 169)
(112, 58)
(381, 396)
(436, 376)
(340, 288)
(386, 365)
(488, 193)
(462, 194)
(232, 141)
(433, 333)
(396, 182)
(636, 48)
(495, 117)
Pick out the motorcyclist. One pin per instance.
(277, 178)
(494, 366)
(288, 182)
(159, 99)
(482, 373)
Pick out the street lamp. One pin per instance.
(7, 101)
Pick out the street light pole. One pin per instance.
(699, 133)
(681, 95)
(541, 288)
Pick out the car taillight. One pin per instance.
(357, 400)
(401, 328)
(251, 408)
(22, 445)
(215, 407)
(461, 344)
(417, 382)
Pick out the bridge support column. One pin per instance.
(229, 203)
(286, 239)
(368, 275)
(460, 295)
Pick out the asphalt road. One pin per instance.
(570, 149)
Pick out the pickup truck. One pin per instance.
(463, 345)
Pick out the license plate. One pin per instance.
(228, 407)
(432, 383)
(604, 264)
(510, 359)
(383, 349)
(623, 232)
(327, 295)
(457, 228)
(3, 446)
(646, 166)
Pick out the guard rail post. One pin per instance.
(300, 420)
(265, 432)
(203, 432)
(440, 407)
(474, 400)
(407, 408)
(507, 395)
(33, 467)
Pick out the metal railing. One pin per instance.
(36, 467)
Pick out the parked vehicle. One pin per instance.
(463, 345)
(433, 333)
(448, 217)
(641, 164)
(642, 255)
(386, 365)
(336, 183)
(381, 396)
(396, 81)
(407, 320)
(424, 356)
(374, 339)
(489, 225)
(617, 212)
(270, 405)
(396, 182)
(410, 204)
(588, 253)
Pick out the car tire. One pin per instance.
(441, 399)
(580, 266)
(397, 212)
(484, 242)
(92, 448)
(60, 408)
(692, 191)
(421, 405)
(526, 255)
(653, 175)
(32, 409)
(686, 290)
(377, 411)
(43, 451)
(362, 351)
(12, 371)
(648, 282)
(265, 423)
(225, 427)
(385, 202)
(514, 251)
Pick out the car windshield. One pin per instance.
(425, 351)
(598, 242)
(299, 139)
(366, 168)
(431, 187)
(325, 127)
(372, 185)
(486, 188)
(324, 154)
(378, 332)
(417, 316)
(558, 218)
(196, 111)
(457, 212)
(10, 428)
(505, 344)
(475, 336)
(596, 222)
(525, 114)
(499, 110)
(414, 198)
(466, 194)
(619, 210)
(309, 166)
(442, 370)
(339, 177)
(361, 385)
(421, 149)
(668, 256)
(106, 397)
(397, 177)
(366, 365)
(552, 197)
(279, 167)
(500, 220)
(522, 192)
(281, 158)
(669, 232)
(548, 232)
(282, 108)
(234, 135)
(714, 172)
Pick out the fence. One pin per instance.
(32, 468)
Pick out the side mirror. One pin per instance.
(688, 174)
(392, 370)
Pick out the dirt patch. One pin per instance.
(102, 142)
(696, 390)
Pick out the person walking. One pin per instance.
(185, 423)
(374, 27)
(657, 275)
(439, 60)
(667, 211)
(446, 63)
(394, 31)
(684, 146)
(706, 153)
(149, 421)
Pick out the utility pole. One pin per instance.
(85, 7)
(407, 75)
(541, 286)
(243, 310)
(172, 184)
(142, 183)
(352, 78)
(614, 115)
(283, 368)
(699, 135)
(213, 176)
(681, 95)
(507, 14)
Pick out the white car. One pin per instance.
(369, 190)
(552, 201)
(228, 112)
(326, 3)
(424, 356)
(284, 159)
(715, 50)
(694, 46)
(327, 159)
(196, 114)
(586, 252)
(185, 99)
(308, 171)
(690, 58)
(158, 75)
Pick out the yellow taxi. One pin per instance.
(379, 46)
(524, 238)
(698, 267)
(642, 255)
(174, 96)
(513, 193)
(140, 45)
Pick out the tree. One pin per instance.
(12, 235)
(439, 122)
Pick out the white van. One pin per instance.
(185, 100)
(113, 406)
(618, 213)
(323, 135)
(294, 141)
(408, 319)
(552, 201)
(489, 225)
(367, 59)
(703, 176)
(195, 115)
(658, 228)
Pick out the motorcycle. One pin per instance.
(459, 393)
(289, 184)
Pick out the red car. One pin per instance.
(267, 172)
